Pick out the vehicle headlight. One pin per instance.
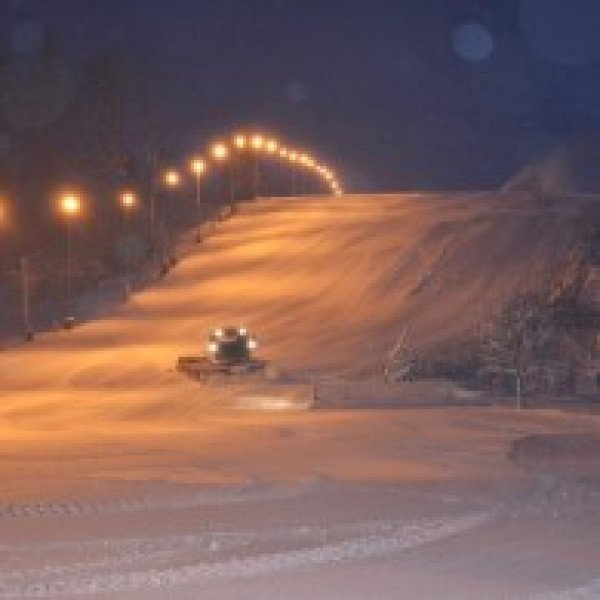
(243, 331)
(219, 332)
(213, 347)
(252, 344)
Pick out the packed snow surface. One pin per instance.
(121, 478)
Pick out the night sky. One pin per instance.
(396, 94)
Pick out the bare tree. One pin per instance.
(401, 360)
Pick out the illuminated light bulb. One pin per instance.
(257, 142)
(240, 141)
(70, 204)
(198, 166)
(128, 200)
(172, 178)
(220, 151)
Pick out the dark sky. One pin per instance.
(398, 94)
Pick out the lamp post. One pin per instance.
(283, 155)
(271, 148)
(257, 143)
(240, 143)
(305, 163)
(23, 273)
(28, 333)
(128, 201)
(152, 184)
(198, 168)
(3, 223)
(171, 180)
(70, 207)
(220, 152)
(293, 160)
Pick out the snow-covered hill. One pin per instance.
(325, 283)
(123, 479)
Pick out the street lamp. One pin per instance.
(257, 142)
(70, 208)
(336, 189)
(240, 141)
(198, 168)
(24, 273)
(304, 160)
(171, 178)
(220, 152)
(3, 222)
(128, 200)
(271, 146)
(292, 157)
(70, 204)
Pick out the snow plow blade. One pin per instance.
(202, 368)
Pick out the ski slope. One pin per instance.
(121, 478)
(327, 284)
